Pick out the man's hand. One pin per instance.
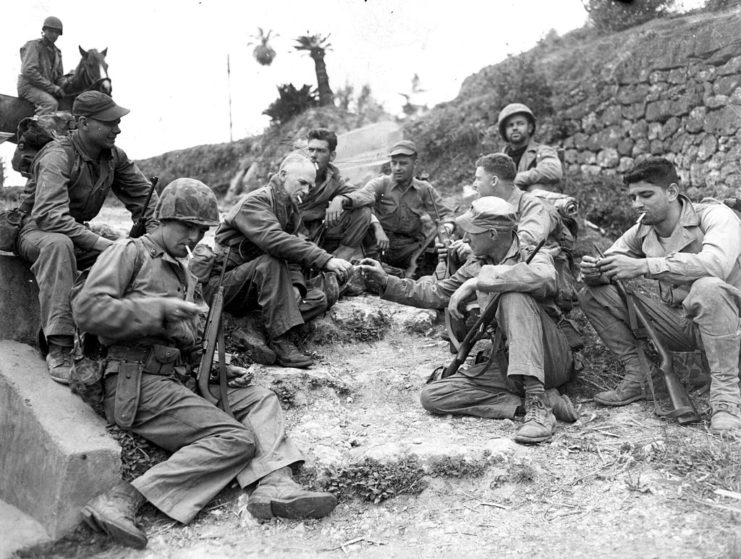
(461, 295)
(382, 240)
(175, 309)
(373, 274)
(620, 267)
(334, 212)
(341, 267)
(239, 377)
(57, 92)
(588, 267)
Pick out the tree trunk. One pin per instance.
(326, 97)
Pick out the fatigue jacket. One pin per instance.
(511, 275)
(536, 220)
(314, 206)
(67, 187)
(399, 208)
(266, 221)
(120, 301)
(41, 65)
(539, 166)
(706, 242)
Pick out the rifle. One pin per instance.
(140, 227)
(213, 336)
(684, 409)
(479, 328)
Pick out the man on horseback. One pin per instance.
(42, 80)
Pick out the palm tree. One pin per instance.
(263, 52)
(317, 46)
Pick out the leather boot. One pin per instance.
(634, 386)
(561, 405)
(539, 422)
(278, 495)
(722, 353)
(287, 354)
(251, 339)
(114, 513)
(59, 362)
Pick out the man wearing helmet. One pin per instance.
(42, 80)
(70, 179)
(538, 165)
(135, 300)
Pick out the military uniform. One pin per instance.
(400, 209)
(539, 167)
(353, 224)
(66, 189)
(267, 260)
(41, 75)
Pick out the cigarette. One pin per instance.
(640, 218)
(190, 253)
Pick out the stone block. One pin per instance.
(19, 531)
(19, 301)
(55, 453)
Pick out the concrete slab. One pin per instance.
(19, 530)
(19, 301)
(55, 453)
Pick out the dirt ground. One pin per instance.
(620, 482)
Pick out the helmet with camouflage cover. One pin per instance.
(514, 109)
(53, 23)
(188, 200)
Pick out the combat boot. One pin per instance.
(632, 388)
(561, 405)
(539, 422)
(722, 353)
(287, 354)
(59, 362)
(114, 513)
(251, 339)
(278, 495)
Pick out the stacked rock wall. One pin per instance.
(671, 88)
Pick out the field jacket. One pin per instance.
(67, 188)
(400, 208)
(41, 65)
(314, 205)
(539, 167)
(266, 221)
(706, 242)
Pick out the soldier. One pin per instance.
(70, 180)
(403, 205)
(42, 80)
(134, 300)
(694, 252)
(325, 210)
(538, 165)
(267, 258)
(539, 354)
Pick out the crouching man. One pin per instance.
(694, 252)
(134, 301)
(538, 356)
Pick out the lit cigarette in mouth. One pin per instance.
(640, 218)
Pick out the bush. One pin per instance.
(291, 102)
(603, 200)
(720, 5)
(616, 15)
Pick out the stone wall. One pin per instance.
(671, 88)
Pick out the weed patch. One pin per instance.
(459, 467)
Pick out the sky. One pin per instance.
(168, 58)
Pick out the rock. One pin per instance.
(707, 147)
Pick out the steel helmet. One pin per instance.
(53, 23)
(188, 200)
(513, 109)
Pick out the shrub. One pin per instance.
(616, 15)
(603, 200)
(374, 481)
(291, 102)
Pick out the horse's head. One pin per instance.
(92, 71)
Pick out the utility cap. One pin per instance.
(486, 214)
(404, 147)
(97, 105)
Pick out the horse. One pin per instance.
(91, 74)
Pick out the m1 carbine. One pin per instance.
(213, 336)
(683, 408)
(478, 330)
(140, 227)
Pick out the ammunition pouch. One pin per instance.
(129, 362)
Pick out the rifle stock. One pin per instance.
(684, 409)
(476, 331)
(213, 336)
(140, 227)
